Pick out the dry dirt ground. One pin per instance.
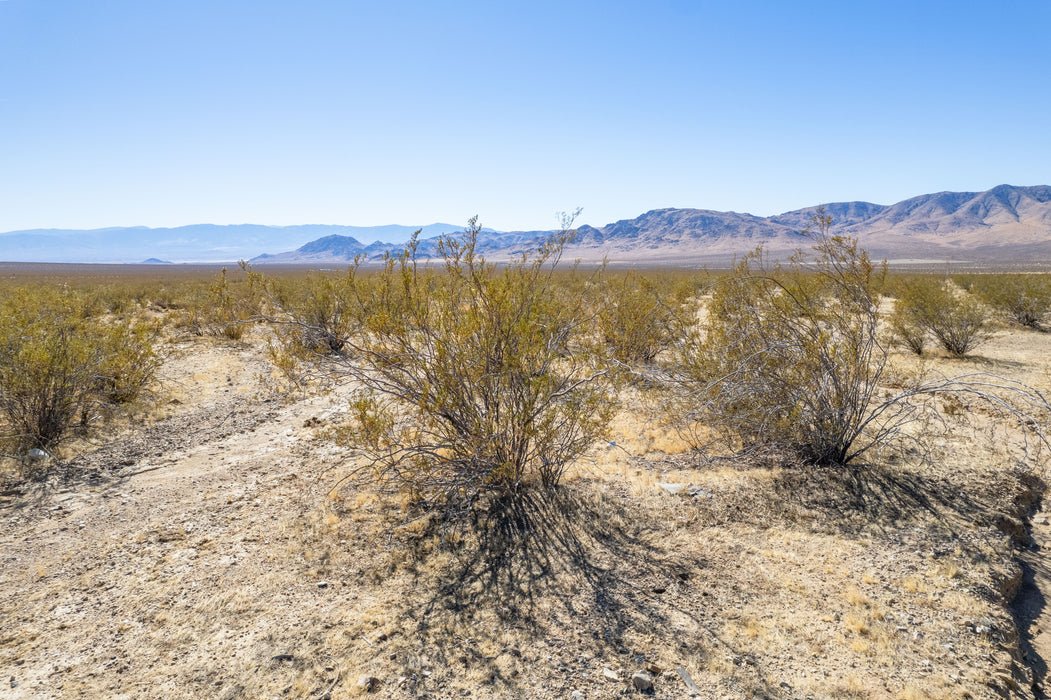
(209, 551)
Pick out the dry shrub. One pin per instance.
(1023, 298)
(474, 376)
(232, 304)
(635, 319)
(59, 366)
(788, 358)
(955, 319)
(789, 362)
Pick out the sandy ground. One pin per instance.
(210, 551)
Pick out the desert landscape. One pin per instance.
(547, 350)
(227, 534)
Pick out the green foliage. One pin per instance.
(788, 358)
(233, 305)
(1023, 298)
(955, 319)
(59, 365)
(907, 330)
(635, 319)
(474, 376)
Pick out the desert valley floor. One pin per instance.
(210, 550)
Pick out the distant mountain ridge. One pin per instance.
(196, 243)
(1005, 223)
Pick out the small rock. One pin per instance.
(368, 683)
(577, 695)
(38, 455)
(652, 668)
(673, 489)
(322, 584)
(611, 675)
(643, 682)
(382, 637)
(1040, 520)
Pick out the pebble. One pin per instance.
(611, 675)
(642, 681)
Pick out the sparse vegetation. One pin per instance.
(61, 367)
(788, 358)
(473, 377)
(637, 321)
(929, 305)
(741, 570)
(1022, 298)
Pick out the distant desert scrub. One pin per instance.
(1022, 298)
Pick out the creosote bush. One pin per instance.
(232, 305)
(787, 362)
(61, 367)
(635, 319)
(474, 377)
(1023, 298)
(788, 359)
(930, 305)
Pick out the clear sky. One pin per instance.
(165, 113)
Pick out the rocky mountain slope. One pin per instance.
(1003, 224)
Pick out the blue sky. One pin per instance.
(144, 112)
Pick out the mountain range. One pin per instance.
(195, 243)
(1005, 223)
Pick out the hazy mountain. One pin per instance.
(197, 243)
(344, 249)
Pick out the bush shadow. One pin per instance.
(567, 566)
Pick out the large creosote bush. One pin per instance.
(788, 358)
(61, 366)
(473, 376)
